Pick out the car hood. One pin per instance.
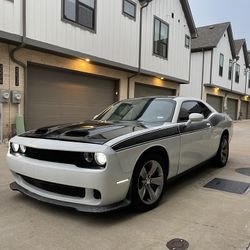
(97, 132)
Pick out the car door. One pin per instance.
(195, 138)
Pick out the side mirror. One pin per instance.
(195, 117)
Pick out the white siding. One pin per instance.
(240, 87)
(194, 88)
(116, 37)
(224, 48)
(177, 64)
(207, 67)
(11, 16)
(248, 89)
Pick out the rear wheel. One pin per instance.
(148, 182)
(221, 157)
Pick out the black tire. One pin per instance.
(147, 192)
(221, 157)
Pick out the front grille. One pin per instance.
(56, 188)
(68, 157)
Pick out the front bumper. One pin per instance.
(112, 182)
(81, 208)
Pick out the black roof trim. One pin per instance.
(190, 20)
(241, 43)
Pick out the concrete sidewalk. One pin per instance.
(207, 219)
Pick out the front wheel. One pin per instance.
(148, 182)
(221, 157)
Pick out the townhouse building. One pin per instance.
(220, 70)
(66, 60)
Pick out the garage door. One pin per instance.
(147, 90)
(232, 105)
(244, 111)
(215, 102)
(57, 96)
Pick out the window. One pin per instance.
(1, 73)
(16, 76)
(249, 80)
(81, 12)
(142, 110)
(129, 9)
(237, 73)
(161, 31)
(191, 107)
(230, 69)
(221, 64)
(187, 41)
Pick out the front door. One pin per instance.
(195, 138)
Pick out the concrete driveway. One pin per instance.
(206, 218)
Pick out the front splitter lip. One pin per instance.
(81, 208)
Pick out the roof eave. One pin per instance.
(189, 17)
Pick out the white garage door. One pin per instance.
(215, 102)
(57, 96)
(142, 90)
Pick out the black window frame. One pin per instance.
(221, 67)
(206, 113)
(230, 69)
(167, 44)
(187, 39)
(127, 14)
(76, 22)
(237, 73)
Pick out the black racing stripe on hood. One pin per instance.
(96, 132)
(147, 137)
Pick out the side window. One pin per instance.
(204, 110)
(188, 108)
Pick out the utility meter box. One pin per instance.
(16, 96)
(4, 95)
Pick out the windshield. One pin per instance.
(141, 110)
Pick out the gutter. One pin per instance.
(22, 45)
(140, 48)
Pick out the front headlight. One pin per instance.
(100, 159)
(14, 147)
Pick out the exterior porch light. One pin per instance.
(87, 59)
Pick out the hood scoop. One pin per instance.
(77, 133)
(42, 131)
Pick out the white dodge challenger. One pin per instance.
(123, 156)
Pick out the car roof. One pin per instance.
(176, 98)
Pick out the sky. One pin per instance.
(206, 12)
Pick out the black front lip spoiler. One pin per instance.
(81, 208)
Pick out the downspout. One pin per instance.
(202, 73)
(140, 49)
(22, 45)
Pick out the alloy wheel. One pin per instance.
(150, 182)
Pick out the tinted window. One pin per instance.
(190, 107)
(161, 34)
(81, 12)
(129, 8)
(142, 110)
